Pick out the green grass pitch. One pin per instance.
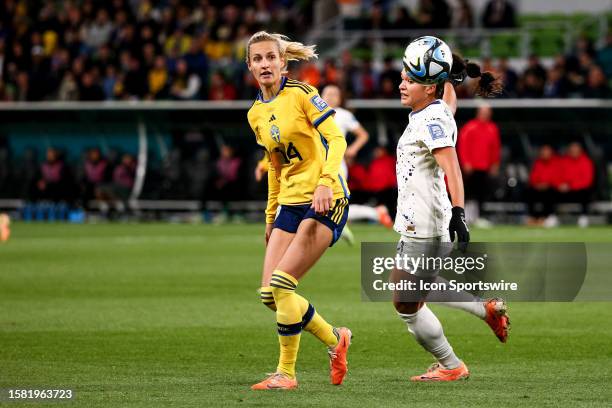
(168, 315)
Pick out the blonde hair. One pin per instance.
(290, 50)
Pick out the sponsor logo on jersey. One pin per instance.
(272, 118)
(275, 133)
(318, 103)
(436, 131)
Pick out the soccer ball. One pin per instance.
(427, 60)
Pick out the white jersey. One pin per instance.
(423, 207)
(347, 122)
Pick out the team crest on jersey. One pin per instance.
(275, 133)
(436, 131)
(318, 103)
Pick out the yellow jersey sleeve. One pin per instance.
(320, 114)
(315, 108)
(336, 146)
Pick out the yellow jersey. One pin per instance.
(304, 146)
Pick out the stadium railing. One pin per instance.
(546, 38)
(149, 129)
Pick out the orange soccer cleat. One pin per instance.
(276, 381)
(438, 373)
(5, 227)
(497, 318)
(383, 216)
(338, 366)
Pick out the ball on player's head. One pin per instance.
(427, 60)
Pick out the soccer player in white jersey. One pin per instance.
(425, 154)
(348, 123)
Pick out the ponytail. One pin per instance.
(488, 85)
(290, 50)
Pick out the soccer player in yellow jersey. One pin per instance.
(307, 199)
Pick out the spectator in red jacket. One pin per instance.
(382, 182)
(577, 177)
(374, 189)
(479, 150)
(544, 180)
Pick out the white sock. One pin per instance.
(462, 300)
(427, 330)
(476, 308)
(362, 212)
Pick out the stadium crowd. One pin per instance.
(186, 50)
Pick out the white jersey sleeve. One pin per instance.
(437, 130)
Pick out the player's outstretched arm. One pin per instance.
(361, 138)
(450, 97)
(273, 190)
(447, 160)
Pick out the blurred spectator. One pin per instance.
(604, 56)
(309, 73)
(95, 173)
(508, 76)
(381, 181)
(54, 180)
(124, 176)
(68, 88)
(479, 151)
(433, 14)
(596, 84)
(89, 90)
(135, 84)
(185, 85)
(403, 19)
(227, 180)
(158, 78)
(534, 78)
(330, 72)
(544, 179)
(365, 84)
(463, 15)
(109, 82)
(220, 90)
(378, 19)
(350, 70)
(196, 59)
(577, 178)
(531, 86)
(390, 79)
(556, 85)
(499, 14)
(99, 31)
(38, 75)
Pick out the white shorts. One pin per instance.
(423, 248)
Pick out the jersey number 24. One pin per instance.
(290, 153)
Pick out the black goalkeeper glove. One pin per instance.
(458, 226)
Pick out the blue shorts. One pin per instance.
(290, 216)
